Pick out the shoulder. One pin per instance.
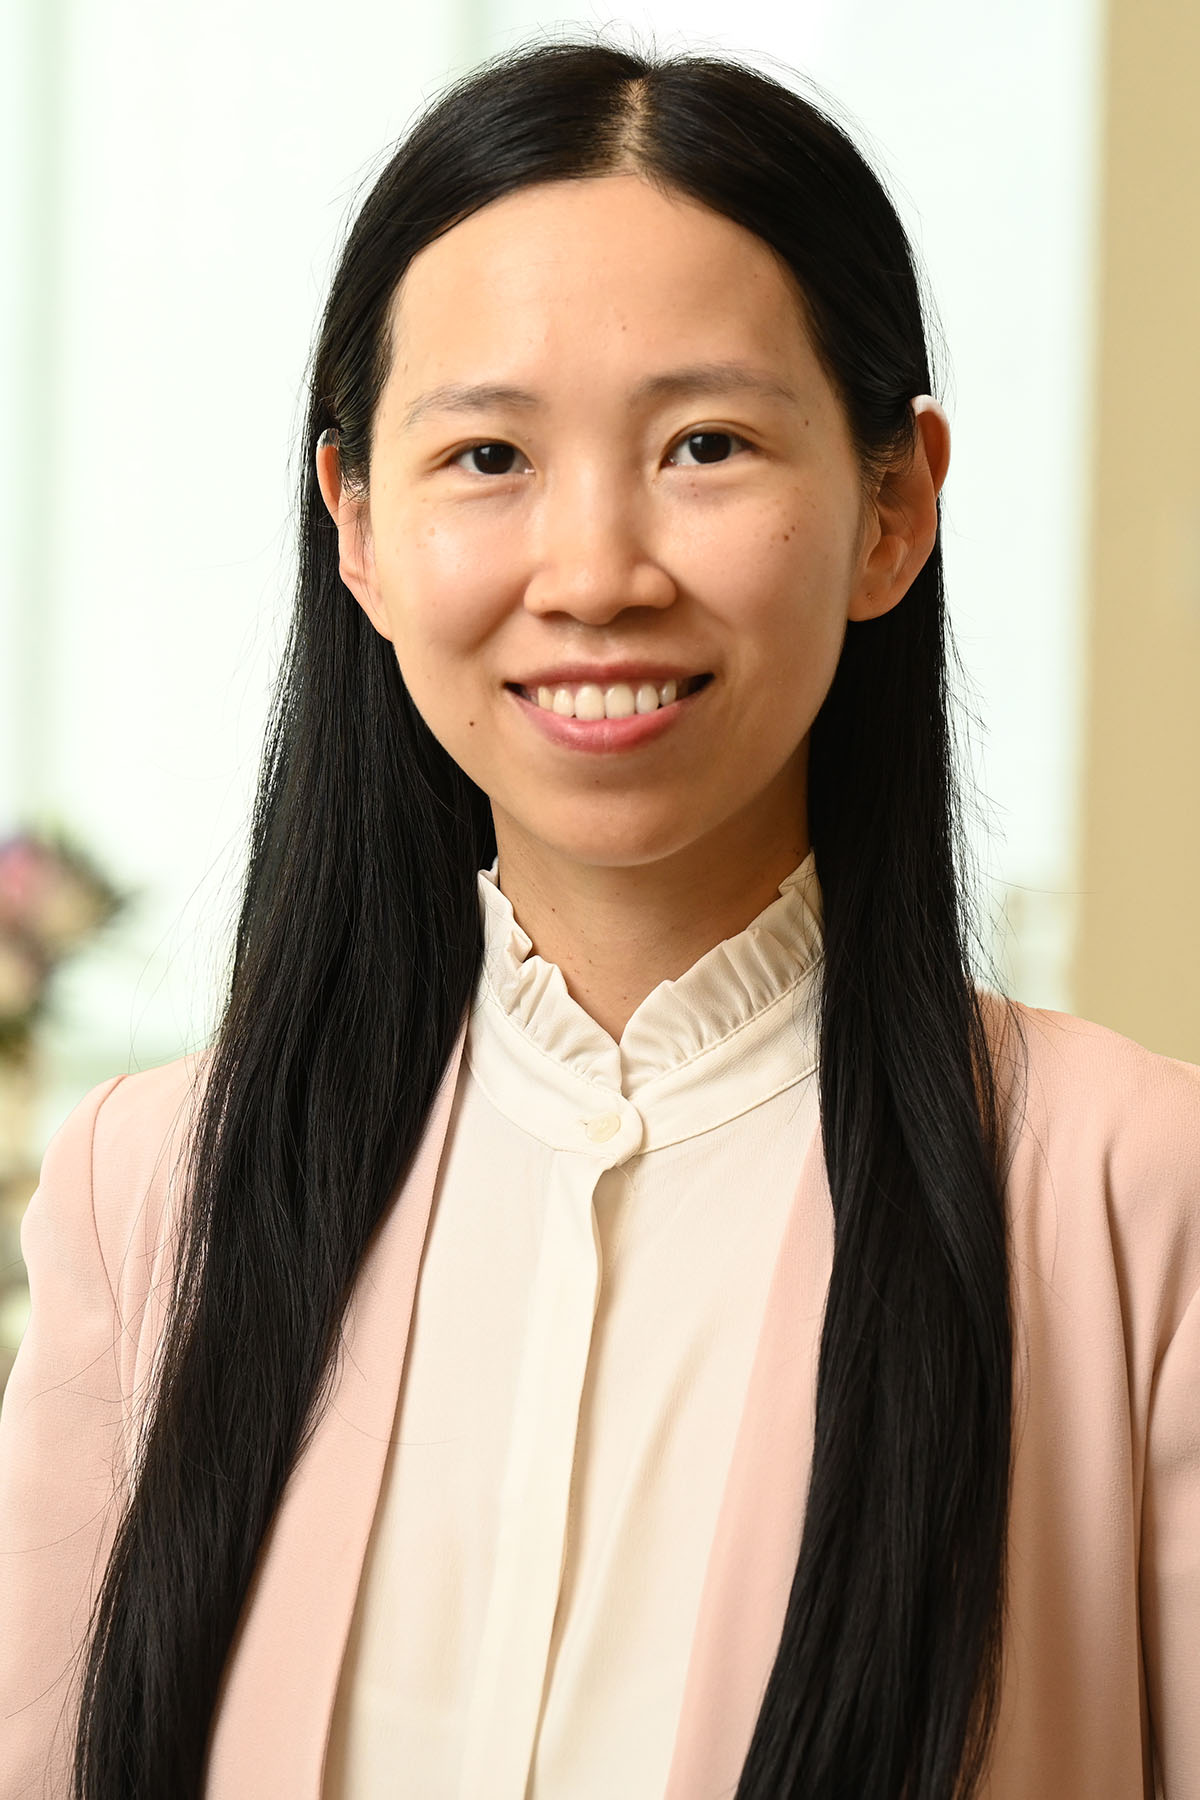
(1105, 1142)
(96, 1238)
(1083, 1084)
(139, 1118)
(117, 1157)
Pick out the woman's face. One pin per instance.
(605, 456)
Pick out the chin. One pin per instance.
(614, 844)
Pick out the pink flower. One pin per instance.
(47, 899)
(22, 873)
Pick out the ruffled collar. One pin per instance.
(679, 1022)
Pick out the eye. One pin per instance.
(493, 457)
(707, 446)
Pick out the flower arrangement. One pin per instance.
(53, 898)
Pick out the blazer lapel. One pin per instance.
(278, 1692)
(757, 1538)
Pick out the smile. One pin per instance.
(585, 700)
(579, 718)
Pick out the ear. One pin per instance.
(356, 548)
(902, 531)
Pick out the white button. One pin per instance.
(601, 1129)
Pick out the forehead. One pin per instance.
(609, 269)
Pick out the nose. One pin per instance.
(593, 555)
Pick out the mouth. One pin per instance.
(620, 700)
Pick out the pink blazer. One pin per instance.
(1101, 1689)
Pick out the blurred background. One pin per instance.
(175, 182)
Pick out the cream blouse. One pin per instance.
(605, 1226)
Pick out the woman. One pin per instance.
(639, 1319)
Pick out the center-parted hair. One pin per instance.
(357, 951)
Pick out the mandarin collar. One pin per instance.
(679, 1023)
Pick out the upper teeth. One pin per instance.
(618, 702)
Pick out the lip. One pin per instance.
(605, 736)
(606, 674)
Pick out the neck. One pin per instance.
(616, 932)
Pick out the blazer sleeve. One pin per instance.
(62, 1463)
(1170, 1562)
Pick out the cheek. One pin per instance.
(443, 600)
(444, 550)
(794, 538)
(782, 591)
(442, 612)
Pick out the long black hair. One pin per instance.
(357, 951)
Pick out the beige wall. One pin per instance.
(1138, 956)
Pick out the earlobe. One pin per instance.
(356, 560)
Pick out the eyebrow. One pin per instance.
(695, 380)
